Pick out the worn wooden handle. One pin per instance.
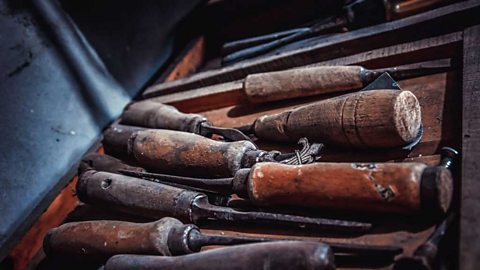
(134, 196)
(288, 255)
(366, 119)
(104, 238)
(184, 153)
(370, 187)
(157, 115)
(105, 163)
(301, 82)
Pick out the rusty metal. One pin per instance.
(288, 255)
(229, 134)
(145, 198)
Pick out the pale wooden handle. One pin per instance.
(366, 119)
(301, 82)
(104, 238)
(388, 187)
(174, 152)
(157, 115)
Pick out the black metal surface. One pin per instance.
(229, 134)
(50, 114)
(197, 240)
(202, 209)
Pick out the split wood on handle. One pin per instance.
(275, 255)
(407, 188)
(366, 119)
(301, 82)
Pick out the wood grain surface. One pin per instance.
(367, 119)
(365, 187)
(231, 93)
(300, 82)
(435, 22)
(470, 199)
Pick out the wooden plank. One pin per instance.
(470, 198)
(231, 93)
(436, 22)
(26, 249)
(186, 63)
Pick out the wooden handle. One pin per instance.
(288, 255)
(104, 238)
(371, 187)
(301, 82)
(134, 196)
(366, 119)
(157, 115)
(105, 163)
(174, 152)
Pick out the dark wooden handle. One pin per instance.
(366, 119)
(104, 238)
(135, 196)
(105, 163)
(288, 255)
(183, 153)
(370, 187)
(301, 82)
(157, 115)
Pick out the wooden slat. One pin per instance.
(25, 250)
(231, 93)
(186, 63)
(436, 22)
(470, 198)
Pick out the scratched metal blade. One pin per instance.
(385, 81)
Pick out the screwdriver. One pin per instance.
(348, 121)
(157, 115)
(167, 236)
(154, 200)
(183, 153)
(405, 188)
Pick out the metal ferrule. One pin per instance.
(178, 240)
(239, 183)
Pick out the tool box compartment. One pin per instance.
(194, 81)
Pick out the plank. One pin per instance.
(470, 198)
(432, 23)
(186, 63)
(230, 93)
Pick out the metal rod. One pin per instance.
(197, 240)
(202, 209)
